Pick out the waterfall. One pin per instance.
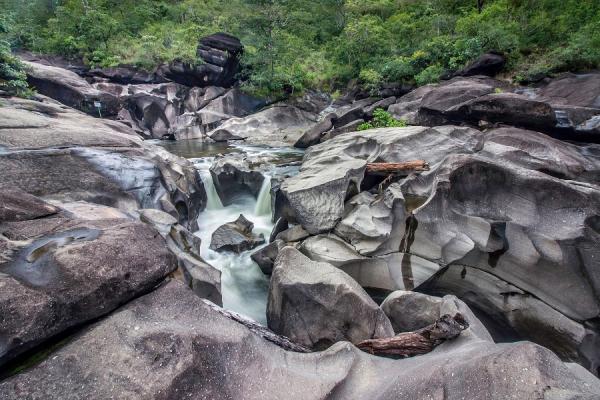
(213, 202)
(263, 203)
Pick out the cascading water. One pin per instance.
(243, 285)
(263, 203)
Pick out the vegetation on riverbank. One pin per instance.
(294, 45)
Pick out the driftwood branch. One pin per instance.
(401, 168)
(419, 342)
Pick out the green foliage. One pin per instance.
(295, 45)
(381, 119)
(13, 79)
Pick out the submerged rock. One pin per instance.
(316, 304)
(236, 236)
(142, 351)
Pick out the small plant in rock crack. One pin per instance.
(382, 119)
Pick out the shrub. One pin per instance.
(13, 79)
(430, 74)
(381, 119)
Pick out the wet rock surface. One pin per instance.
(236, 236)
(59, 154)
(57, 273)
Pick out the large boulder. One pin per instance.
(233, 177)
(170, 344)
(220, 56)
(236, 236)
(316, 304)
(59, 154)
(57, 273)
(278, 125)
(489, 64)
(516, 204)
(410, 311)
(332, 172)
(70, 89)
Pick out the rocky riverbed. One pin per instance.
(224, 263)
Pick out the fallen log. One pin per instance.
(258, 329)
(400, 168)
(419, 342)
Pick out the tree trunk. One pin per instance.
(423, 341)
(397, 168)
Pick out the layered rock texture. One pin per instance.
(151, 349)
(505, 219)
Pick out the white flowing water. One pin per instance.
(263, 202)
(244, 287)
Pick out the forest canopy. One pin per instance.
(318, 44)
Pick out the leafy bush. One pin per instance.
(13, 79)
(321, 44)
(381, 119)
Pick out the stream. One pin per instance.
(244, 286)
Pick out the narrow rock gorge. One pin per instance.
(166, 235)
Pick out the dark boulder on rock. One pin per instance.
(70, 89)
(315, 133)
(141, 351)
(489, 64)
(236, 236)
(316, 304)
(220, 54)
(508, 108)
(57, 273)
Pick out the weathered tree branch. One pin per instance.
(419, 342)
(260, 330)
(397, 168)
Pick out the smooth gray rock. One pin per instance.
(332, 172)
(56, 273)
(331, 249)
(293, 234)
(143, 351)
(410, 311)
(516, 314)
(370, 221)
(59, 154)
(278, 125)
(316, 304)
(236, 236)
